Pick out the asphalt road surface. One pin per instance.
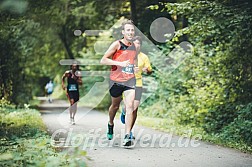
(151, 147)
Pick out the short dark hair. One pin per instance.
(77, 64)
(127, 22)
(138, 38)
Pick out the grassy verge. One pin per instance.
(34, 103)
(24, 141)
(170, 126)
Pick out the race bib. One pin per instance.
(129, 69)
(72, 87)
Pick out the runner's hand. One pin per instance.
(136, 69)
(63, 87)
(125, 63)
(145, 69)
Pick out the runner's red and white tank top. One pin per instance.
(124, 53)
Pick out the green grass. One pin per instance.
(34, 103)
(170, 126)
(24, 141)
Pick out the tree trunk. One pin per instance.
(133, 12)
(184, 24)
(63, 37)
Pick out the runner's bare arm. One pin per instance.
(148, 70)
(79, 80)
(147, 66)
(63, 79)
(105, 60)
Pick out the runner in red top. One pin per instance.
(124, 53)
(122, 56)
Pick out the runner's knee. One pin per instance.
(129, 108)
(72, 102)
(130, 105)
(115, 107)
(135, 111)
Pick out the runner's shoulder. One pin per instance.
(116, 44)
(142, 55)
(67, 72)
(78, 73)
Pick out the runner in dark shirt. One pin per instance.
(73, 81)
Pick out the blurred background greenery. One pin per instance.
(209, 93)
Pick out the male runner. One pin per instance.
(122, 56)
(49, 90)
(143, 66)
(73, 82)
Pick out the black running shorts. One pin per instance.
(117, 88)
(73, 95)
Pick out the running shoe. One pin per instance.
(73, 122)
(123, 116)
(110, 131)
(132, 136)
(127, 142)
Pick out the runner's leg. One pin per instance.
(72, 108)
(129, 105)
(115, 102)
(136, 104)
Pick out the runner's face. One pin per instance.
(137, 45)
(74, 67)
(128, 32)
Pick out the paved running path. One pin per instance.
(152, 148)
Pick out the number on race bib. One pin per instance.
(129, 69)
(72, 87)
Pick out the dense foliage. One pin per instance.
(212, 89)
(24, 141)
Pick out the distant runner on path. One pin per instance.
(49, 90)
(73, 81)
